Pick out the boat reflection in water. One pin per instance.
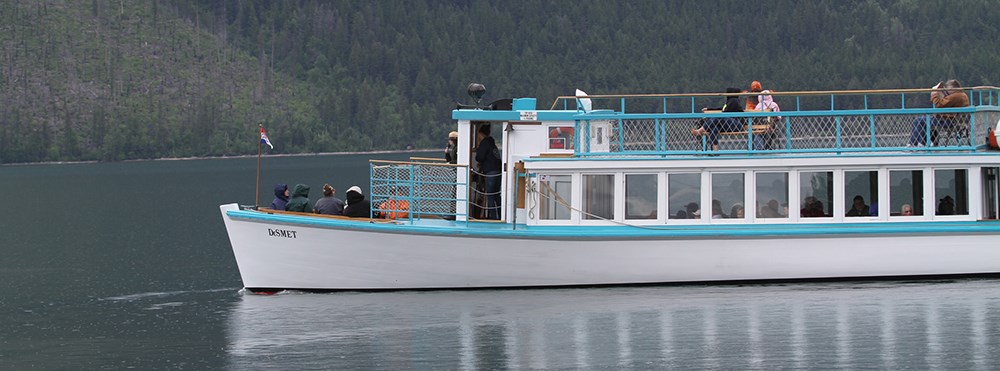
(891, 325)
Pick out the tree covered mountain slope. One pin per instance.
(113, 80)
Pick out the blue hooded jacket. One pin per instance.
(280, 200)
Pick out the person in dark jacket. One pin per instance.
(357, 205)
(300, 200)
(280, 197)
(329, 205)
(712, 127)
(488, 157)
(451, 151)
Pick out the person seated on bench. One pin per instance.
(953, 96)
(753, 100)
(713, 126)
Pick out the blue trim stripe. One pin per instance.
(502, 230)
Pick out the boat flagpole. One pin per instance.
(256, 198)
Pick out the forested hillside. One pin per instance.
(113, 80)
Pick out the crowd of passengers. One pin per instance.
(811, 208)
(945, 95)
(356, 205)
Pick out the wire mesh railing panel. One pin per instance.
(634, 135)
(414, 190)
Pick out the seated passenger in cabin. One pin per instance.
(300, 199)
(952, 96)
(737, 212)
(946, 206)
(488, 156)
(812, 208)
(329, 205)
(712, 127)
(906, 210)
(770, 210)
(688, 211)
(357, 205)
(753, 100)
(280, 197)
(858, 208)
(717, 210)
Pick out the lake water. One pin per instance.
(127, 265)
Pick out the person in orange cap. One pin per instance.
(755, 87)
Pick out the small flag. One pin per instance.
(263, 138)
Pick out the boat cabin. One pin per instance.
(654, 160)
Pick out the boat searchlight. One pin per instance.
(476, 91)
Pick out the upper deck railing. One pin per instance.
(829, 122)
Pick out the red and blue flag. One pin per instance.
(263, 138)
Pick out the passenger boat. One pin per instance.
(615, 190)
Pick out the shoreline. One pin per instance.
(221, 157)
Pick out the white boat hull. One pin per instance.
(320, 257)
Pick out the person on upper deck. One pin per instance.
(753, 100)
(713, 126)
(329, 205)
(280, 197)
(300, 200)
(767, 103)
(951, 96)
(357, 205)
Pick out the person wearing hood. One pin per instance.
(300, 200)
(712, 127)
(357, 205)
(280, 197)
(766, 103)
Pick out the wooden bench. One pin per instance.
(762, 129)
(756, 128)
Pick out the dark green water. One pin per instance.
(127, 265)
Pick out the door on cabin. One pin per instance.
(600, 136)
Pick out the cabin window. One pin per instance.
(951, 188)
(640, 196)
(599, 196)
(861, 193)
(684, 196)
(906, 192)
(772, 195)
(556, 195)
(991, 193)
(816, 190)
(727, 195)
(561, 137)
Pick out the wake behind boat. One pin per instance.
(613, 190)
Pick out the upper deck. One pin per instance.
(823, 123)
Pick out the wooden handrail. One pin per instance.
(391, 162)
